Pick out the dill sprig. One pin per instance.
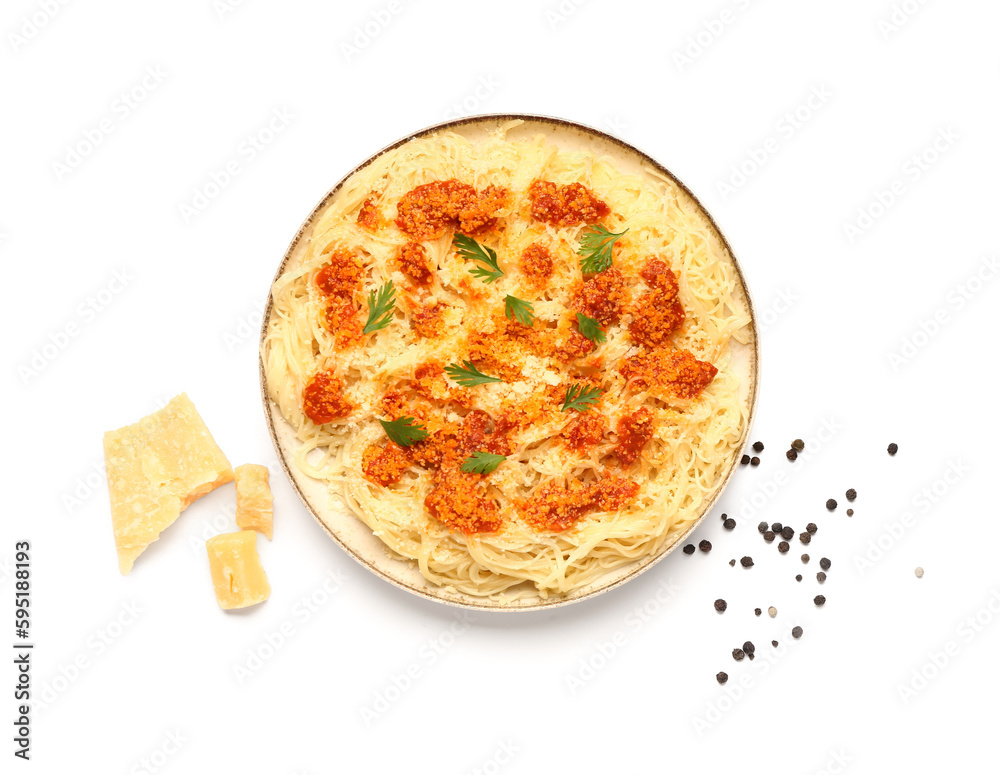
(467, 375)
(380, 307)
(467, 247)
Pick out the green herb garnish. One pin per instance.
(404, 431)
(468, 375)
(590, 328)
(469, 248)
(524, 311)
(482, 463)
(380, 307)
(595, 249)
(581, 397)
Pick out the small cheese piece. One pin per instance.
(254, 500)
(156, 469)
(237, 574)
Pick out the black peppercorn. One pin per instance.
(749, 648)
(821, 577)
(729, 524)
(762, 527)
(791, 454)
(720, 605)
(796, 632)
(747, 562)
(831, 504)
(757, 612)
(819, 600)
(783, 547)
(774, 643)
(893, 448)
(798, 577)
(705, 545)
(805, 537)
(745, 460)
(787, 533)
(755, 461)
(721, 677)
(776, 527)
(732, 563)
(805, 558)
(738, 654)
(811, 527)
(824, 563)
(852, 494)
(758, 446)
(850, 512)
(688, 549)
(769, 536)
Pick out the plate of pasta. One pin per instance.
(509, 362)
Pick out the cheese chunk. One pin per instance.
(253, 499)
(156, 469)
(237, 574)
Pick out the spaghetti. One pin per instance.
(579, 491)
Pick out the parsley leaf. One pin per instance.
(595, 249)
(404, 431)
(468, 375)
(581, 397)
(469, 248)
(380, 307)
(590, 328)
(524, 311)
(482, 463)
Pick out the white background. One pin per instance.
(703, 88)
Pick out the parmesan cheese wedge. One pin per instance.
(254, 500)
(156, 469)
(237, 574)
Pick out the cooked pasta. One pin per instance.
(576, 489)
